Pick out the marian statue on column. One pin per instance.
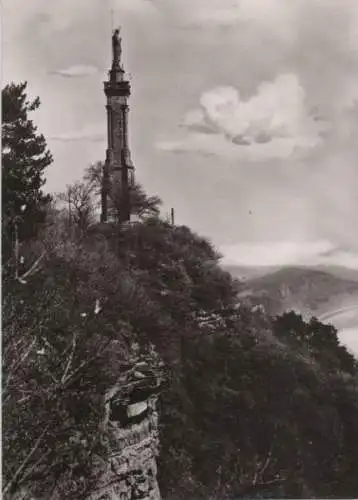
(116, 45)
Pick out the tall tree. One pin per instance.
(25, 157)
(79, 204)
(142, 205)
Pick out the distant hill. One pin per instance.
(246, 273)
(340, 272)
(305, 290)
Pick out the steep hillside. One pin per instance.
(234, 377)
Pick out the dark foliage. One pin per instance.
(24, 159)
(254, 407)
(261, 414)
(142, 205)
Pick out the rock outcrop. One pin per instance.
(130, 431)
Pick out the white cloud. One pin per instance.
(276, 110)
(218, 145)
(273, 123)
(76, 71)
(340, 257)
(212, 12)
(273, 253)
(195, 120)
(287, 253)
(145, 7)
(52, 16)
(92, 133)
(277, 15)
(349, 338)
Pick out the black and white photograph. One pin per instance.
(179, 249)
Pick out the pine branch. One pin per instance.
(17, 250)
(36, 464)
(24, 463)
(33, 269)
(16, 365)
(70, 358)
(74, 375)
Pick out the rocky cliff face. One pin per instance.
(130, 432)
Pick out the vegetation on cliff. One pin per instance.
(254, 405)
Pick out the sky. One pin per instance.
(243, 113)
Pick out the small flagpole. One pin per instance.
(172, 216)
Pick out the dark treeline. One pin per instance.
(253, 407)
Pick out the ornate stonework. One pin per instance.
(118, 173)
